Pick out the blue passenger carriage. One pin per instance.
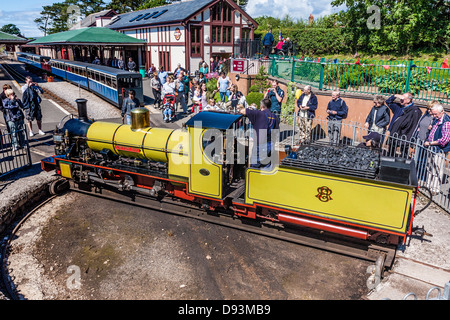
(35, 60)
(109, 83)
(76, 72)
(113, 84)
(58, 68)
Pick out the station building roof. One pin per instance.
(170, 13)
(92, 35)
(10, 38)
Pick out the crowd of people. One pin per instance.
(283, 46)
(409, 133)
(119, 63)
(395, 119)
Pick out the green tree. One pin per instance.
(55, 18)
(404, 25)
(42, 22)
(122, 6)
(11, 29)
(88, 7)
(152, 4)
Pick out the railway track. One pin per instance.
(48, 94)
(5, 245)
(381, 256)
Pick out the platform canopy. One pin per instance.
(6, 38)
(88, 36)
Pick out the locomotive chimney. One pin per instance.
(140, 118)
(82, 109)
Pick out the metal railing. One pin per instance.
(432, 166)
(247, 48)
(13, 158)
(426, 81)
(435, 293)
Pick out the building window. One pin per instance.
(221, 34)
(164, 60)
(196, 41)
(222, 12)
(226, 35)
(216, 12)
(245, 33)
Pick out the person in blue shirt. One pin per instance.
(177, 71)
(223, 85)
(275, 94)
(180, 90)
(129, 104)
(337, 110)
(162, 75)
(267, 43)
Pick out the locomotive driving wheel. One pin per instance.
(59, 186)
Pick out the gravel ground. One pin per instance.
(435, 249)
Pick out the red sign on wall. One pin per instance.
(237, 65)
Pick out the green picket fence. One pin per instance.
(426, 81)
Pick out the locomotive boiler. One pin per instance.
(373, 203)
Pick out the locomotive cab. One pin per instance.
(218, 153)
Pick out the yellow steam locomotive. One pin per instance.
(195, 166)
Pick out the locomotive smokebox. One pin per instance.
(140, 118)
(82, 109)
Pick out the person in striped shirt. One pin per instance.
(438, 142)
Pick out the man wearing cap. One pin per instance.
(275, 94)
(403, 124)
(438, 142)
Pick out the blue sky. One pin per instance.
(23, 12)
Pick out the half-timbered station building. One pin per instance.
(187, 32)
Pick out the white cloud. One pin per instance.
(24, 20)
(296, 9)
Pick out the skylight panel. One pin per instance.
(151, 15)
(136, 17)
(159, 14)
(144, 16)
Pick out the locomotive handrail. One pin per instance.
(60, 122)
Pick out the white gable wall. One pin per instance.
(164, 39)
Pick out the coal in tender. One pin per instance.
(345, 160)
